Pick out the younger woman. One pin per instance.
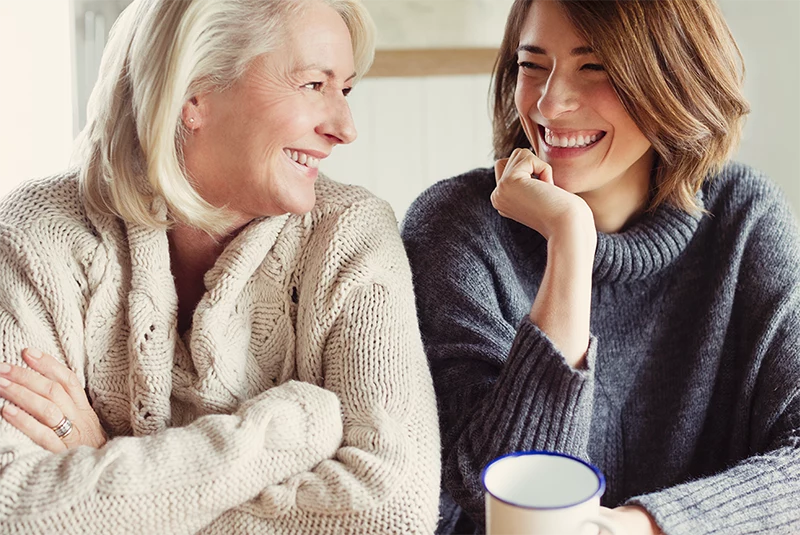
(614, 289)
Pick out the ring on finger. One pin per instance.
(63, 428)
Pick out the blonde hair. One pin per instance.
(159, 55)
(674, 66)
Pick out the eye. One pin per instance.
(527, 65)
(593, 67)
(346, 91)
(315, 86)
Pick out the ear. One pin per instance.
(193, 112)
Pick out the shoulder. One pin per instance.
(336, 200)
(749, 215)
(48, 213)
(52, 197)
(755, 229)
(352, 231)
(461, 202)
(468, 192)
(743, 193)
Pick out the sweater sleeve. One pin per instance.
(758, 495)
(501, 385)
(384, 477)
(175, 481)
(357, 454)
(760, 492)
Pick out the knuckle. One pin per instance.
(51, 413)
(20, 375)
(54, 391)
(72, 379)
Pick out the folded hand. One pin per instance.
(40, 398)
(526, 193)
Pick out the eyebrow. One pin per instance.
(579, 51)
(327, 72)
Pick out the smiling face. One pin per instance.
(572, 116)
(256, 146)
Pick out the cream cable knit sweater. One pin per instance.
(300, 401)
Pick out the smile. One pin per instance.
(576, 139)
(302, 158)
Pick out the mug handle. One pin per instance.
(605, 524)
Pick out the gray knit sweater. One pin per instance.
(690, 403)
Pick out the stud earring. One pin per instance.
(191, 119)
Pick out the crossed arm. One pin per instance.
(357, 452)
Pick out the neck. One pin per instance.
(620, 202)
(192, 253)
(192, 250)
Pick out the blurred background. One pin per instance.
(422, 112)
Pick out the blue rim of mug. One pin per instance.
(601, 480)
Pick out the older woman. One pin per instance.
(614, 289)
(199, 333)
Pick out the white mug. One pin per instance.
(543, 493)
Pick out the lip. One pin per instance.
(564, 152)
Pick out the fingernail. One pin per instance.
(4, 382)
(34, 353)
(4, 368)
(10, 410)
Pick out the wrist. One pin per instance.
(572, 251)
(574, 234)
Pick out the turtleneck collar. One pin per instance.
(647, 247)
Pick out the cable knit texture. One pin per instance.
(299, 402)
(690, 400)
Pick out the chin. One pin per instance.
(571, 182)
(301, 204)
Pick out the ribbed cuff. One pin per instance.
(541, 403)
(757, 496)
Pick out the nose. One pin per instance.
(339, 127)
(559, 96)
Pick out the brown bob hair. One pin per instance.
(674, 66)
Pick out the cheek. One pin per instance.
(525, 100)
(525, 97)
(299, 120)
(625, 129)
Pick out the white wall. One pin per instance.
(413, 132)
(35, 91)
(768, 33)
(404, 24)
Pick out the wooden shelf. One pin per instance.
(433, 62)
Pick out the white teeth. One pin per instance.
(302, 158)
(578, 141)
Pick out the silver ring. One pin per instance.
(63, 428)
